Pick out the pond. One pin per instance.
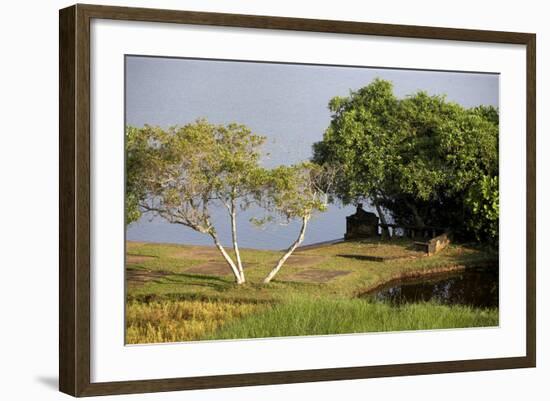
(472, 287)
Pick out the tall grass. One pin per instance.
(308, 316)
(172, 321)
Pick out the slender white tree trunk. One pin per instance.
(227, 258)
(289, 251)
(235, 245)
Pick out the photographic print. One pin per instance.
(268, 199)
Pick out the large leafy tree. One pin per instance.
(361, 143)
(182, 173)
(424, 159)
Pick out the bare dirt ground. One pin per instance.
(211, 268)
(197, 253)
(299, 260)
(136, 277)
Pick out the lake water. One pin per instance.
(325, 226)
(472, 287)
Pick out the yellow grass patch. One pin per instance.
(172, 321)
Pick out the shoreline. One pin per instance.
(368, 275)
(423, 273)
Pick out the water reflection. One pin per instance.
(473, 287)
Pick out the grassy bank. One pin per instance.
(306, 316)
(171, 321)
(182, 293)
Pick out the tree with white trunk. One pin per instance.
(185, 172)
(295, 192)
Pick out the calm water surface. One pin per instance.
(473, 287)
(326, 226)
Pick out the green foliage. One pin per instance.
(421, 157)
(360, 140)
(482, 202)
(136, 165)
(181, 172)
(295, 191)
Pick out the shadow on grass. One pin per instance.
(216, 283)
(369, 258)
(141, 255)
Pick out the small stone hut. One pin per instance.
(361, 224)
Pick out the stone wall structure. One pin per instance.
(435, 244)
(361, 224)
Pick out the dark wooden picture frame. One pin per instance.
(74, 202)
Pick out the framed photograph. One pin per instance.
(250, 200)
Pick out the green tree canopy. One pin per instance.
(425, 160)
